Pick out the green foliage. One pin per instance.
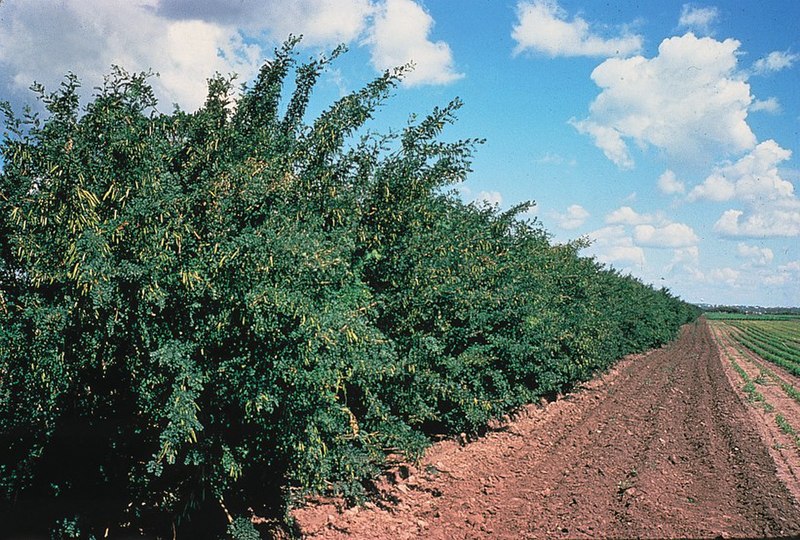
(230, 303)
(242, 529)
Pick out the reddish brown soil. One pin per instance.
(661, 447)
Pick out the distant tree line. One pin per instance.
(712, 311)
(203, 312)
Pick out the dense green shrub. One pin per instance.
(202, 311)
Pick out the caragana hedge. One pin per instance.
(205, 312)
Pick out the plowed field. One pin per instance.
(666, 445)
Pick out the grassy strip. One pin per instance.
(778, 351)
(723, 316)
(756, 397)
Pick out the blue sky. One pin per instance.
(666, 132)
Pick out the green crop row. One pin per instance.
(749, 387)
(773, 345)
(790, 390)
(787, 428)
(770, 342)
(791, 367)
(777, 332)
(780, 329)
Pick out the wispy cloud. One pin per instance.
(770, 105)
(575, 216)
(544, 27)
(775, 61)
(698, 19)
(759, 256)
(552, 158)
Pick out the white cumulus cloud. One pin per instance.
(400, 34)
(543, 26)
(321, 22)
(690, 100)
(686, 258)
(687, 255)
(575, 216)
(187, 41)
(613, 245)
(753, 178)
(669, 184)
(786, 273)
(43, 41)
(396, 31)
(715, 188)
(622, 254)
(626, 215)
(759, 223)
(608, 139)
(673, 235)
(770, 207)
(729, 276)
